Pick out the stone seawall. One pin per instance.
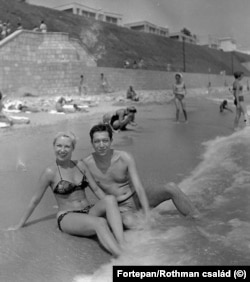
(51, 64)
(41, 63)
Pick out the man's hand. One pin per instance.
(14, 228)
(133, 123)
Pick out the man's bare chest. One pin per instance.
(114, 172)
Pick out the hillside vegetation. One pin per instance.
(111, 44)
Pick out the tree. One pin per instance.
(186, 32)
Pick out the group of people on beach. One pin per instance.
(113, 177)
(6, 28)
(180, 91)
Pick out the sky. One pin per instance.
(204, 18)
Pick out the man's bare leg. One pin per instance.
(171, 191)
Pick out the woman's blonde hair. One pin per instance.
(69, 135)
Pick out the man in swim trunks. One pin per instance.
(121, 118)
(239, 100)
(116, 174)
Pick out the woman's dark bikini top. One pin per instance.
(65, 187)
(235, 87)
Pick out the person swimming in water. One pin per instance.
(68, 180)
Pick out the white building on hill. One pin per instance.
(180, 36)
(98, 14)
(148, 27)
(227, 44)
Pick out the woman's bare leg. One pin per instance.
(176, 101)
(244, 112)
(109, 206)
(87, 225)
(237, 117)
(183, 105)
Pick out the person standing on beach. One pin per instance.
(179, 91)
(116, 174)
(68, 180)
(239, 100)
(82, 86)
(105, 86)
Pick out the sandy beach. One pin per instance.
(164, 151)
(95, 105)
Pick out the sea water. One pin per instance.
(206, 158)
(218, 185)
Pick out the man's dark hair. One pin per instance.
(100, 128)
(131, 109)
(238, 74)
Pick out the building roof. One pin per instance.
(84, 7)
(227, 39)
(145, 23)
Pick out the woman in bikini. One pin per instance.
(68, 180)
(179, 90)
(239, 100)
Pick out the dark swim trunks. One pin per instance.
(120, 202)
(179, 96)
(241, 99)
(61, 216)
(128, 204)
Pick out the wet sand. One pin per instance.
(169, 155)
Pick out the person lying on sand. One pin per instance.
(24, 108)
(10, 120)
(3, 117)
(62, 106)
